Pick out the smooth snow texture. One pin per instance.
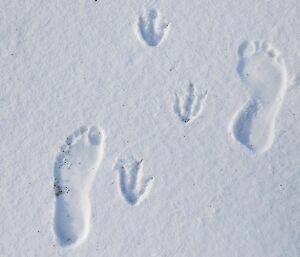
(75, 170)
(263, 71)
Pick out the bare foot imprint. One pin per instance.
(263, 71)
(74, 172)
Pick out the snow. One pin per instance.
(68, 64)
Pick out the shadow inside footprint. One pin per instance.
(243, 124)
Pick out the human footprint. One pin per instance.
(74, 172)
(264, 72)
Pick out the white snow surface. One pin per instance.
(120, 66)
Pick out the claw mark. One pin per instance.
(151, 29)
(131, 185)
(192, 106)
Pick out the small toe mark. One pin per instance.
(83, 129)
(273, 53)
(266, 46)
(77, 133)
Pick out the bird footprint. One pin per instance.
(132, 186)
(152, 29)
(192, 106)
